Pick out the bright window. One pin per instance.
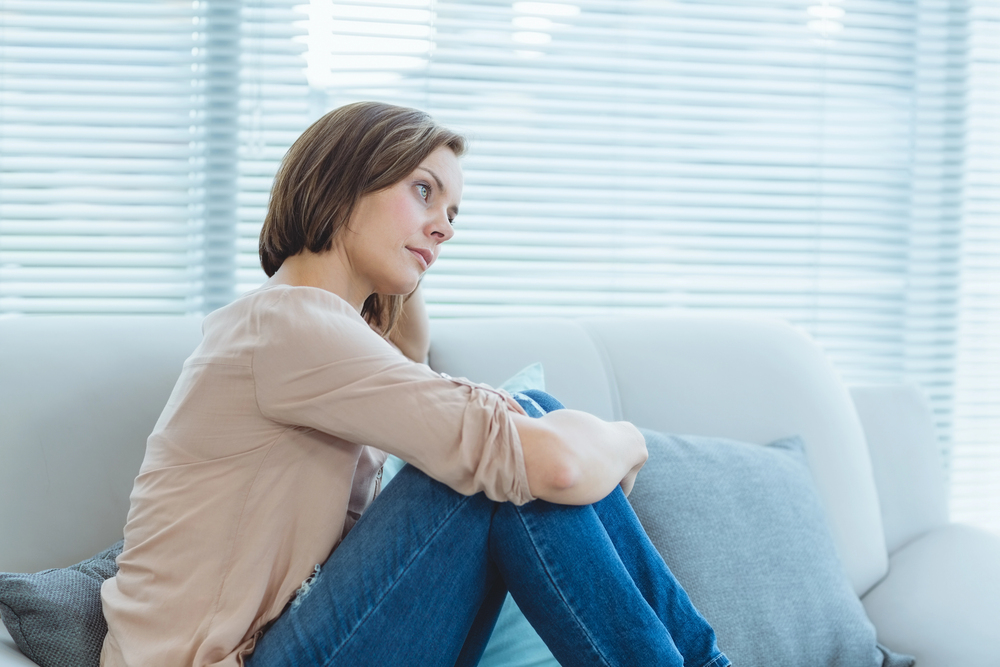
(835, 164)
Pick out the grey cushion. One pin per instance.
(55, 616)
(742, 528)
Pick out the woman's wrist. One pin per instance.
(575, 458)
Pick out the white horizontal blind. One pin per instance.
(95, 156)
(794, 159)
(276, 105)
(126, 129)
(976, 453)
(797, 159)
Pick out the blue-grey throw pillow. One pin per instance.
(743, 529)
(55, 616)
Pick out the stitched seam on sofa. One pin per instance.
(609, 371)
(548, 573)
(430, 538)
(29, 653)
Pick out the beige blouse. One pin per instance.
(267, 451)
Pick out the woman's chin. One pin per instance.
(398, 283)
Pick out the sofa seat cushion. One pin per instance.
(941, 598)
(743, 529)
(9, 655)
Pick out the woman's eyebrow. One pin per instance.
(435, 177)
(453, 209)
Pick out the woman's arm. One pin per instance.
(575, 458)
(571, 457)
(412, 332)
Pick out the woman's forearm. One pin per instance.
(575, 458)
(412, 332)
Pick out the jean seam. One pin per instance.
(717, 661)
(559, 592)
(409, 564)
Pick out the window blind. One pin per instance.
(975, 463)
(831, 163)
(793, 159)
(803, 160)
(127, 131)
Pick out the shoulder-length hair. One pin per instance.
(350, 152)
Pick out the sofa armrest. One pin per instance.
(906, 460)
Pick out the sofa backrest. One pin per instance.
(907, 459)
(493, 350)
(79, 396)
(754, 380)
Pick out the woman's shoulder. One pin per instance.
(288, 305)
(283, 316)
(317, 321)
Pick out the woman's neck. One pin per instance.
(327, 270)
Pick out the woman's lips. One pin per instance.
(426, 256)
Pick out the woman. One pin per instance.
(271, 447)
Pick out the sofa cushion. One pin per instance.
(941, 600)
(55, 616)
(743, 529)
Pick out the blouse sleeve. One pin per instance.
(318, 365)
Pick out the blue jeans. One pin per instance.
(422, 576)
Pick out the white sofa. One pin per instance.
(79, 395)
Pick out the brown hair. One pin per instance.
(350, 152)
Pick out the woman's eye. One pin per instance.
(424, 191)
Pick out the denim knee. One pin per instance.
(537, 402)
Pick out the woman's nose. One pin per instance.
(442, 228)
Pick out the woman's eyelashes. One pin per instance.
(424, 192)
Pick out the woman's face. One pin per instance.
(394, 235)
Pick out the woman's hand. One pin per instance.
(412, 332)
(629, 481)
(575, 458)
